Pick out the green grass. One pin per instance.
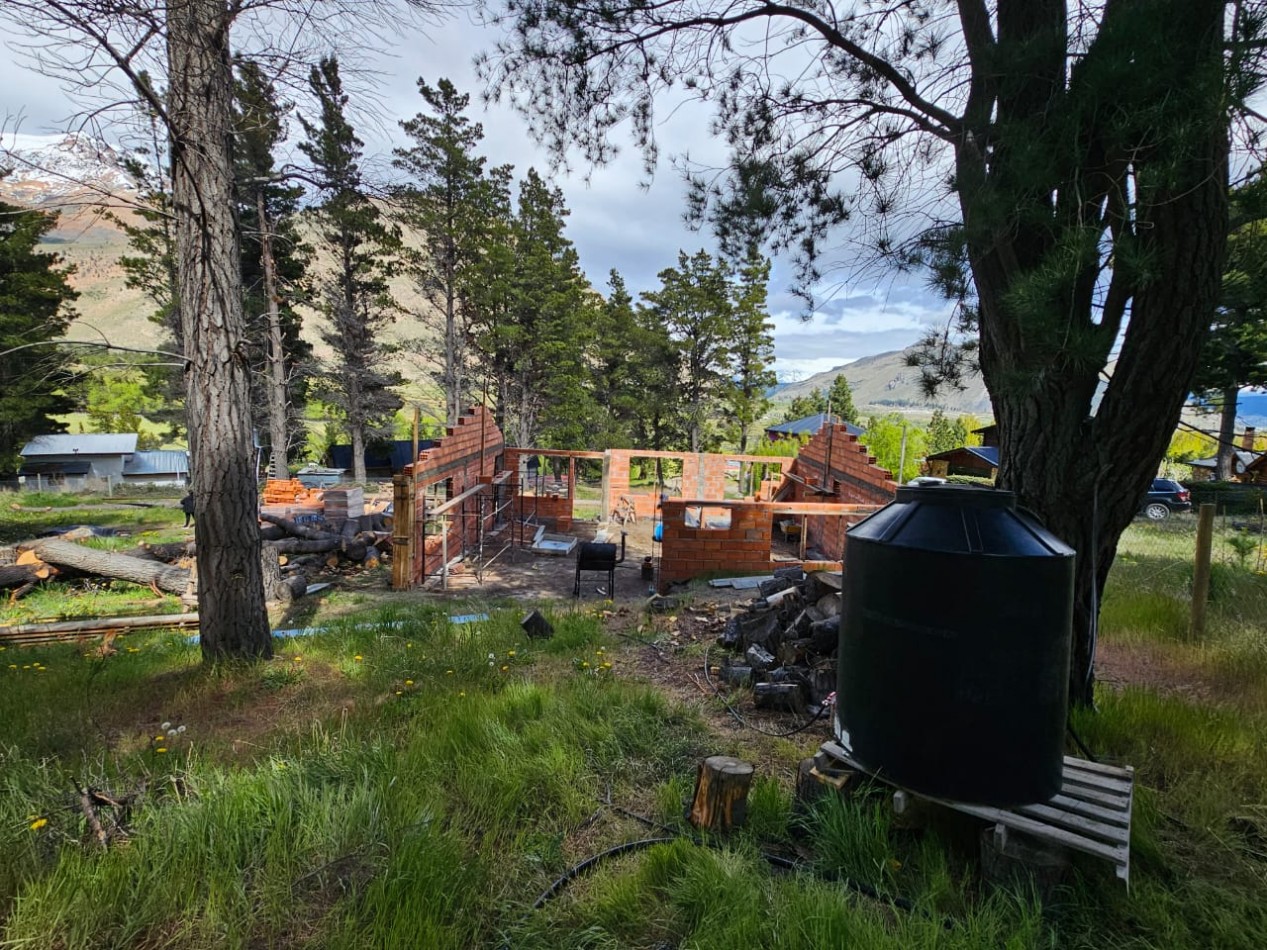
(402, 781)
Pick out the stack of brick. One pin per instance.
(344, 504)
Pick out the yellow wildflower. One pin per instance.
(505, 668)
(38, 823)
(448, 672)
(159, 738)
(409, 682)
(161, 749)
(510, 652)
(358, 658)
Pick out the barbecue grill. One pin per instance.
(598, 556)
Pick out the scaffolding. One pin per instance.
(480, 542)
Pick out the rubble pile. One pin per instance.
(785, 641)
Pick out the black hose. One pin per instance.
(579, 869)
(1079, 743)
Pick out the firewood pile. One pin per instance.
(321, 545)
(784, 643)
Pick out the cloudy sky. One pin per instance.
(618, 219)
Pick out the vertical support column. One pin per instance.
(402, 532)
(1201, 571)
(607, 487)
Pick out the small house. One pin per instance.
(69, 460)
(980, 461)
(166, 468)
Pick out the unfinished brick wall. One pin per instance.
(457, 456)
(852, 478)
(742, 548)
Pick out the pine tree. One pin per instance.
(274, 263)
(35, 299)
(840, 400)
(445, 202)
(616, 387)
(752, 352)
(355, 296)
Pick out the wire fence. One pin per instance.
(1155, 562)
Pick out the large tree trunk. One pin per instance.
(1225, 467)
(278, 401)
(1084, 469)
(109, 564)
(218, 402)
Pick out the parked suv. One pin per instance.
(1165, 496)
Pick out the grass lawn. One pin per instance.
(402, 781)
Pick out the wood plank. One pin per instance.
(1120, 802)
(1114, 834)
(1111, 815)
(1118, 854)
(1086, 765)
(1104, 783)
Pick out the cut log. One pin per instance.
(171, 553)
(787, 697)
(355, 550)
(303, 546)
(296, 585)
(297, 530)
(721, 793)
(19, 575)
(174, 580)
(272, 532)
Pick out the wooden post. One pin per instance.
(1201, 571)
(721, 793)
(402, 532)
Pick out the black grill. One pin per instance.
(597, 556)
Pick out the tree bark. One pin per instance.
(217, 374)
(1225, 466)
(278, 400)
(721, 793)
(19, 575)
(108, 564)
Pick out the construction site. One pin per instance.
(473, 512)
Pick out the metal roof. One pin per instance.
(986, 453)
(811, 424)
(1244, 459)
(173, 462)
(109, 443)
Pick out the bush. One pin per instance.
(970, 480)
(1232, 498)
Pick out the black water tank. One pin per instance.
(954, 646)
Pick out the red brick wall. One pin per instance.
(743, 548)
(853, 478)
(456, 456)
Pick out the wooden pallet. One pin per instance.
(1091, 813)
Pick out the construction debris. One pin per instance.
(785, 641)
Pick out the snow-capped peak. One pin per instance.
(46, 168)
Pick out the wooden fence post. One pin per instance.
(1201, 571)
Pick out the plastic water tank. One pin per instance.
(954, 646)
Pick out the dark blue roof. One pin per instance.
(811, 424)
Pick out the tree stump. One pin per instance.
(721, 793)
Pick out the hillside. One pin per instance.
(77, 177)
(884, 383)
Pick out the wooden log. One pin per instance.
(272, 532)
(355, 549)
(19, 575)
(275, 591)
(165, 577)
(302, 546)
(296, 585)
(721, 793)
(788, 697)
(297, 530)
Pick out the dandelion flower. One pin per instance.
(166, 725)
(161, 749)
(180, 729)
(159, 738)
(397, 692)
(409, 682)
(38, 823)
(408, 645)
(585, 665)
(358, 658)
(461, 693)
(607, 665)
(510, 652)
(505, 668)
(298, 658)
(13, 666)
(26, 666)
(448, 672)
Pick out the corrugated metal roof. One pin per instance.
(172, 462)
(810, 425)
(107, 443)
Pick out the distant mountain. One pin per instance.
(52, 170)
(884, 383)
